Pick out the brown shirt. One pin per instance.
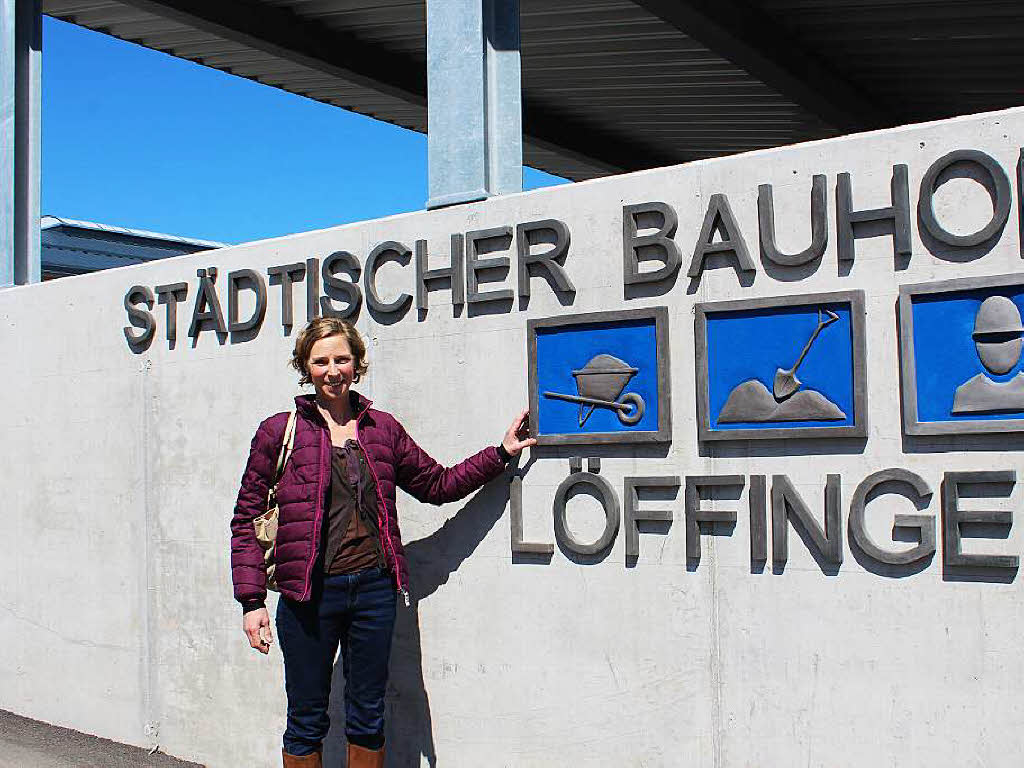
(353, 543)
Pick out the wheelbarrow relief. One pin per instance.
(600, 377)
(599, 384)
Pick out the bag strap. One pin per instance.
(287, 443)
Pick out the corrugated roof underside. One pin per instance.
(607, 68)
(607, 86)
(187, 42)
(933, 58)
(613, 64)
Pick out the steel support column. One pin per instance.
(28, 50)
(474, 104)
(21, 34)
(7, 79)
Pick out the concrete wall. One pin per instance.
(121, 468)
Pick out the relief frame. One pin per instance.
(599, 378)
(820, 335)
(939, 394)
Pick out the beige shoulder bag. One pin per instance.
(266, 524)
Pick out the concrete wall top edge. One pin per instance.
(541, 196)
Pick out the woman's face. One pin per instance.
(331, 367)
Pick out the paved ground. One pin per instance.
(28, 743)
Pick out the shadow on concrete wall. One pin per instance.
(410, 734)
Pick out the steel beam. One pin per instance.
(279, 32)
(751, 39)
(474, 107)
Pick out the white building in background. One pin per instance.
(71, 247)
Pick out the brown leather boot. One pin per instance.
(361, 757)
(302, 761)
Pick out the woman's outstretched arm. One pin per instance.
(429, 481)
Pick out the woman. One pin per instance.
(338, 555)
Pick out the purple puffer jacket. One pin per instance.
(394, 459)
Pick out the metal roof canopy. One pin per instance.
(619, 85)
(607, 85)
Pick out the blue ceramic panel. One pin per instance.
(946, 354)
(564, 349)
(747, 349)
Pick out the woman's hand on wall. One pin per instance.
(518, 435)
(256, 625)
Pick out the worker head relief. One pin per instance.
(997, 340)
(997, 334)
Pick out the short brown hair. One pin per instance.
(323, 328)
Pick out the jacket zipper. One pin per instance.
(318, 513)
(362, 508)
(382, 512)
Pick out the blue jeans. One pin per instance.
(357, 612)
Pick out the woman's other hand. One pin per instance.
(518, 435)
(256, 625)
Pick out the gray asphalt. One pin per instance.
(26, 743)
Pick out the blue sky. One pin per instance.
(137, 138)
